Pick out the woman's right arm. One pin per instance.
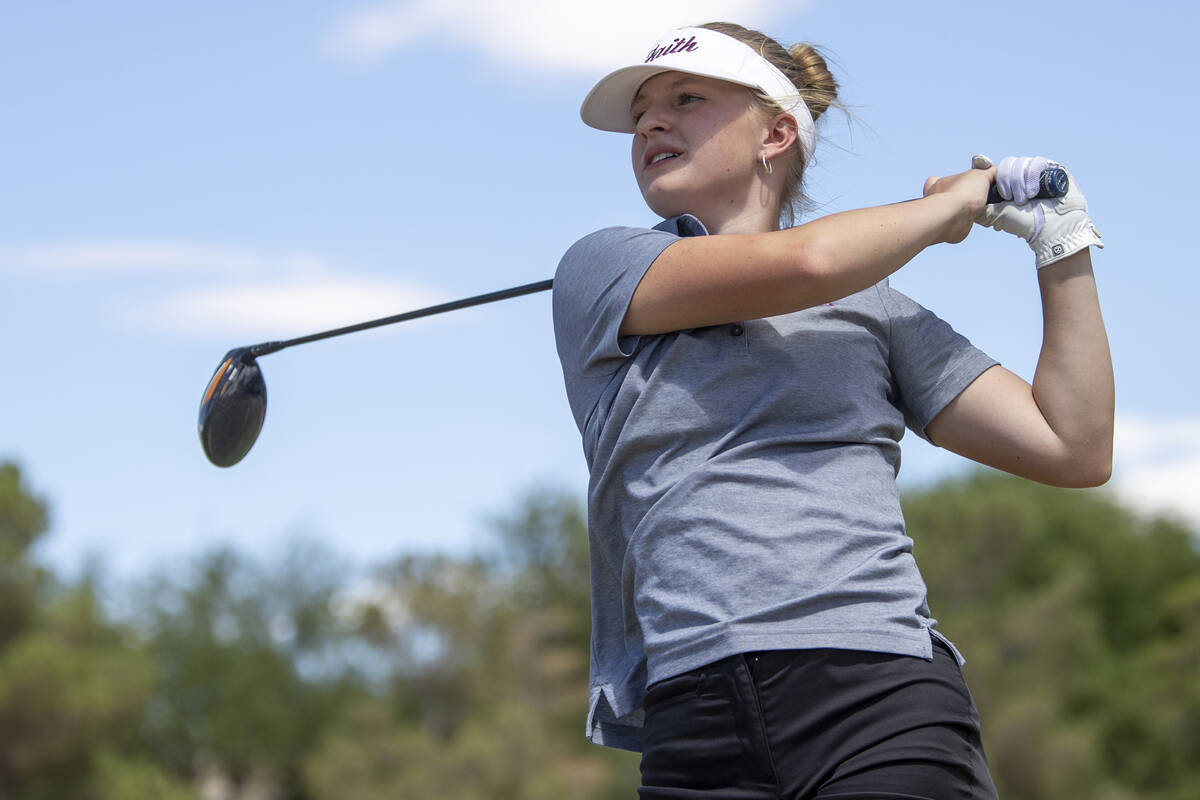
(713, 280)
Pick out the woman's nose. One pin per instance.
(652, 120)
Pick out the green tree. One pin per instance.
(23, 520)
(1080, 621)
(488, 664)
(248, 670)
(505, 751)
(73, 684)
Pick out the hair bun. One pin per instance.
(816, 81)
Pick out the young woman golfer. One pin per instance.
(760, 628)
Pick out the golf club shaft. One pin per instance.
(504, 294)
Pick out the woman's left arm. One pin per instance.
(1058, 431)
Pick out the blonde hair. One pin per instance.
(807, 69)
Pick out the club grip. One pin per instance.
(1053, 183)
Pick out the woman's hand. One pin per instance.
(1054, 227)
(965, 195)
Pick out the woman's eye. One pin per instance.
(683, 100)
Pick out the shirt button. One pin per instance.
(736, 330)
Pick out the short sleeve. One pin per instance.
(931, 363)
(593, 286)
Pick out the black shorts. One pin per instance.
(815, 724)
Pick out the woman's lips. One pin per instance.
(659, 156)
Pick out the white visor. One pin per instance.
(697, 51)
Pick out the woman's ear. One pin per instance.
(781, 135)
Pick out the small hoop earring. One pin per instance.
(767, 165)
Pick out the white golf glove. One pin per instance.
(1055, 228)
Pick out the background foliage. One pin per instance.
(465, 678)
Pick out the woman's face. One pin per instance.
(696, 145)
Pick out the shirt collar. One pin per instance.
(682, 225)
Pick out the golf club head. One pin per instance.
(233, 408)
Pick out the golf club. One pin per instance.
(234, 404)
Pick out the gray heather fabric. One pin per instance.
(743, 493)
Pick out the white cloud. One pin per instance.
(538, 34)
(1139, 438)
(280, 310)
(198, 288)
(1157, 465)
(124, 256)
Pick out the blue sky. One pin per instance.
(182, 178)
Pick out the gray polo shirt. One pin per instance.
(743, 477)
